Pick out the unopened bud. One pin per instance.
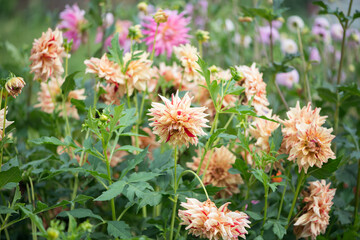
(202, 36)
(52, 233)
(103, 118)
(281, 19)
(213, 69)
(135, 33)
(245, 19)
(160, 16)
(14, 86)
(142, 7)
(351, 68)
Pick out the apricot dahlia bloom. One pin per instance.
(318, 201)
(113, 94)
(176, 122)
(217, 174)
(170, 73)
(261, 130)
(46, 55)
(49, 96)
(188, 56)
(298, 116)
(255, 87)
(313, 146)
(105, 69)
(205, 220)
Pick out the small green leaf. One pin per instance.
(276, 139)
(254, 215)
(80, 213)
(48, 140)
(6, 210)
(142, 176)
(119, 229)
(11, 175)
(151, 198)
(114, 190)
(326, 170)
(69, 84)
(279, 229)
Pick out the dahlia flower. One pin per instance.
(105, 69)
(170, 73)
(336, 32)
(265, 32)
(287, 79)
(314, 55)
(205, 220)
(313, 146)
(176, 122)
(289, 46)
(217, 174)
(14, 86)
(298, 116)
(261, 130)
(188, 56)
(170, 34)
(321, 22)
(121, 27)
(294, 23)
(113, 94)
(51, 92)
(315, 220)
(46, 55)
(255, 87)
(73, 22)
(322, 33)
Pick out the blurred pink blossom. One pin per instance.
(264, 33)
(288, 78)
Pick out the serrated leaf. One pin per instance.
(276, 139)
(138, 189)
(279, 230)
(326, 170)
(48, 140)
(69, 84)
(11, 175)
(214, 136)
(254, 215)
(119, 229)
(151, 198)
(38, 222)
(161, 160)
(80, 213)
(142, 177)
(134, 162)
(6, 210)
(114, 190)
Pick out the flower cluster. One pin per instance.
(205, 220)
(315, 219)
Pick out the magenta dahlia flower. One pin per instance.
(170, 34)
(72, 23)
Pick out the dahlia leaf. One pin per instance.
(119, 229)
(134, 162)
(279, 229)
(80, 213)
(114, 190)
(326, 170)
(142, 176)
(151, 198)
(11, 175)
(276, 139)
(69, 84)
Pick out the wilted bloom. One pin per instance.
(170, 34)
(262, 129)
(265, 32)
(2, 119)
(255, 87)
(321, 22)
(315, 219)
(289, 46)
(205, 220)
(135, 33)
(294, 23)
(336, 32)
(313, 146)
(287, 79)
(46, 55)
(50, 98)
(14, 86)
(188, 56)
(314, 55)
(105, 69)
(73, 23)
(176, 122)
(217, 174)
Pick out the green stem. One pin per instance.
(198, 178)
(176, 196)
(299, 184)
(265, 209)
(112, 201)
(356, 210)
(200, 49)
(282, 197)
(306, 80)
(153, 48)
(3, 128)
(123, 212)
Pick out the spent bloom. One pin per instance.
(255, 87)
(289, 46)
(176, 121)
(170, 34)
(294, 23)
(46, 55)
(14, 86)
(73, 24)
(287, 79)
(188, 56)
(217, 174)
(205, 220)
(315, 219)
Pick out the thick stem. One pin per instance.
(176, 196)
(306, 80)
(356, 210)
(299, 184)
(3, 129)
(265, 209)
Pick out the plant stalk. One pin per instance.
(176, 196)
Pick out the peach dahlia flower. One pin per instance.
(255, 87)
(316, 217)
(205, 220)
(217, 174)
(176, 122)
(188, 56)
(46, 55)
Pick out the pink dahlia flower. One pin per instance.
(46, 55)
(288, 78)
(122, 28)
(264, 34)
(170, 34)
(205, 220)
(176, 122)
(73, 23)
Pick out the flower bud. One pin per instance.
(135, 33)
(160, 16)
(245, 19)
(213, 69)
(86, 226)
(14, 86)
(143, 7)
(52, 233)
(202, 36)
(351, 68)
(103, 118)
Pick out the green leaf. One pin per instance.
(129, 148)
(214, 136)
(82, 199)
(326, 170)
(276, 139)
(138, 189)
(241, 165)
(327, 95)
(119, 229)
(6, 210)
(69, 84)
(114, 190)
(116, 53)
(279, 229)
(80, 213)
(38, 222)
(79, 104)
(151, 198)
(116, 117)
(161, 160)
(134, 162)
(48, 140)
(142, 176)
(11, 175)
(254, 215)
